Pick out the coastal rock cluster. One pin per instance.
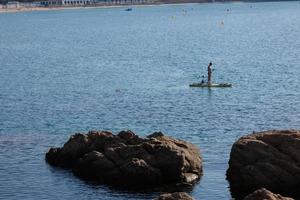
(269, 159)
(175, 196)
(126, 160)
(259, 162)
(263, 194)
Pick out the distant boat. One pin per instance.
(128, 9)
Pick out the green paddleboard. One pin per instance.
(210, 85)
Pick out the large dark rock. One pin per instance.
(269, 159)
(127, 160)
(263, 194)
(175, 196)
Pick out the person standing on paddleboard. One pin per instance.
(209, 70)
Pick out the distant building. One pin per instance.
(20, 5)
(62, 3)
(122, 2)
(66, 2)
(12, 5)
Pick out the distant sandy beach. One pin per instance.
(13, 10)
(31, 9)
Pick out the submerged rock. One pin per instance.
(127, 160)
(269, 159)
(175, 196)
(263, 194)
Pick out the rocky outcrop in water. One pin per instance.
(269, 159)
(175, 196)
(263, 194)
(127, 160)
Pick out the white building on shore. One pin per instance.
(12, 5)
(66, 2)
(62, 3)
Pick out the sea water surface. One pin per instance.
(71, 71)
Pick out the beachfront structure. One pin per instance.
(122, 2)
(20, 5)
(57, 3)
(12, 5)
(66, 2)
(93, 2)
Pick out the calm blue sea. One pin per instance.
(71, 71)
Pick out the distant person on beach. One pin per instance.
(209, 70)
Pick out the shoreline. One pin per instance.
(33, 9)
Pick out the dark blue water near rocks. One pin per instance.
(76, 70)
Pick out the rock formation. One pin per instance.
(263, 194)
(127, 160)
(269, 159)
(175, 196)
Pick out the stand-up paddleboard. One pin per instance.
(210, 85)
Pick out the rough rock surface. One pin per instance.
(269, 159)
(263, 194)
(127, 160)
(175, 196)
